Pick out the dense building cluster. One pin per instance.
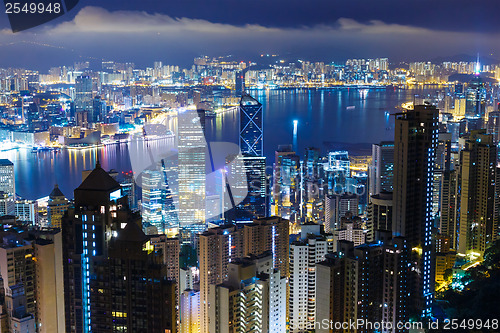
(245, 244)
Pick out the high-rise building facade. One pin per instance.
(382, 168)
(478, 205)
(153, 189)
(252, 299)
(191, 174)
(336, 207)
(83, 98)
(364, 285)
(415, 143)
(7, 187)
(219, 246)
(286, 184)
(379, 214)
(114, 279)
(251, 126)
(56, 207)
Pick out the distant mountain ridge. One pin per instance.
(466, 58)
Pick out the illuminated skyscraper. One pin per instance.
(304, 254)
(415, 142)
(286, 186)
(83, 89)
(257, 294)
(336, 207)
(254, 185)
(7, 187)
(56, 207)
(478, 206)
(192, 176)
(100, 238)
(338, 170)
(379, 214)
(475, 98)
(252, 182)
(382, 168)
(251, 126)
(152, 199)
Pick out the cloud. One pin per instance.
(100, 20)
(142, 37)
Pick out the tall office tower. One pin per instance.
(379, 214)
(56, 207)
(286, 186)
(311, 169)
(338, 169)
(460, 107)
(382, 168)
(475, 98)
(256, 295)
(365, 283)
(98, 111)
(442, 164)
(493, 125)
(415, 143)
(269, 234)
(254, 185)
(101, 237)
(252, 148)
(189, 311)
(216, 248)
(305, 252)
(7, 187)
(478, 206)
(450, 204)
(83, 97)
(192, 178)
(251, 126)
(336, 207)
(153, 189)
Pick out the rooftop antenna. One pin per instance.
(478, 65)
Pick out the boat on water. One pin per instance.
(351, 107)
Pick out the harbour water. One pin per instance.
(344, 118)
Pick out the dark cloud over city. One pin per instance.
(318, 30)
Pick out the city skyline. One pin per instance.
(93, 31)
(250, 166)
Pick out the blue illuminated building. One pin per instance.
(415, 143)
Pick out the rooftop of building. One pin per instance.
(56, 192)
(247, 100)
(5, 162)
(99, 180)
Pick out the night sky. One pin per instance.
(326, 30)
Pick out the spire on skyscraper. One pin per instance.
(477, 70)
